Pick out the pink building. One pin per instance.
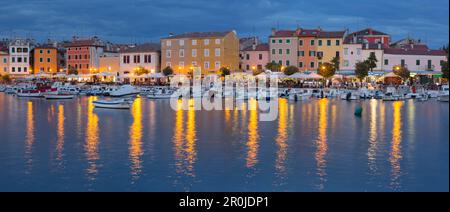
(255, 57)
(414, 57)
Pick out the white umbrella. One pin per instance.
(314, 76)
(390, 74)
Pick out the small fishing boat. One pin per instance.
(29, 93)
(124, 90)
(112, 104)
(58, 96)
(444, 94)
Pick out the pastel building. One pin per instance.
(109, 62)
(146, 56)
(209, 51)
(416, 57)
(330, 44)
(255, 57)
(283, 47)
(45, 59)
(19, 57)
(4, 62)
(370, 36)
(307, 49)
(83, 55)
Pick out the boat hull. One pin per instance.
(59, 96)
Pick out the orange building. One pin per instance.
(45, 59)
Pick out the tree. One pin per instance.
(336, 62)
(273, 66)
(372, 61)
(140, 71)
(326, 70)
(167, 71)
(6, 78)
(290, 70)
(444, 64)
(402, 72)
(72, 70)
(362, 70)
(224, 71)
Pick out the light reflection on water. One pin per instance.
(182, 152)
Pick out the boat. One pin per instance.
(112, 104)
(299, 96)
(29, 93)
(160, 94)
(349, 96)
(124, 90)
(58, 96)
(392, 95)
(423, 97)
(444, 94)
(364, 93)
(2, 89)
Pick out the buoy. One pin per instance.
(358, 111)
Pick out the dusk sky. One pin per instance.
(137, 21)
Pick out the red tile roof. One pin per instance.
(362, 33)
(147, 47)
(419, 51)
(260, 47)
(331, 34)
(86, 42)
(284, 33)
(199, 35)
(308, 32)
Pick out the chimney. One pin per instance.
(254, 46)
(274, 31)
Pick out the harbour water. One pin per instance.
(316, 145)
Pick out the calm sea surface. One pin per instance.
(317, 145)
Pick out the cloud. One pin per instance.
(144, 20)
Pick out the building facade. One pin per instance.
(283, 47)
(109, 62)
(145, 56)
(415, 57)
(83, 55)
(4, 62)
(45, 59)
(370, 36)
(255, 57)
(208, 51)
(330, 45)
(19, 57)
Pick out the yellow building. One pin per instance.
(329, 45)
(45, 59)
(207, 50)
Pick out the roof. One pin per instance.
(200, 35)
(84, 42)
(45, 46)
(308, 32)
(362, 33)
(284, 33)
(331, 34)
(260, 47)
(400, 51)
(147, 47)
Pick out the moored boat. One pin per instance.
(58, 96)
(112, 104)
(125, 90)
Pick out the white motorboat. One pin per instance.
(423, 97)
(2, 89)
(160, 94)
(125, 90)
(29, 93)
(444, 94)
(58, 96)
(364, 93)
(349, 95)
(112, 104)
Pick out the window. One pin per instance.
(346, 63)
(328, 42)
(19, 49)
(280, 62)
(25, 69)
(288, 41)
(206, 42)
(217, 41)
(247, 67)
(288, 51)
(338, 42)
(48, 51)
(19, 59)
(194, 42)
(40, 60)
(273, 40)
(206, 65)
(13, 59)
(280, 41)
(345, 51)
(169, 43)
(181, 53)
(301, 53)
(430, 66)
(40, 51)
(312, 53)
(311, 64)
(19, 69)
(181, 42)
(260, 56)
(288, 63)
(168, 54)
(386, 62)
(217, 52)
(194, 52)
(338, 54)
(417, 62)
(13, 50)
(300, 64)
(247, 56)
(217, 65)
(402, 62)
(5, 60)
(273, 51)
(280, 51)
(312, 42)
(300, 42)
(13, 69)
(48, 59)
(25, 60)
(206, 52)
(320, 42)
